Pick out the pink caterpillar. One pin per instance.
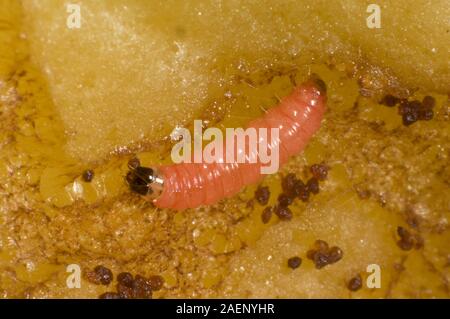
(189, 185)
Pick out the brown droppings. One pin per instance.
(126, 279)
(109, 295)
(335, 254)
(313, 186)
(413, 111)
(304, 194)
(141, 288)
(92, 277)
(426, 114)
(294, 262)
(266, 215)
(138, 287)
(299, 187)
(88, 175)
(355, 283)
(100, 276)
(104, 274)
(262, 195)
(124, 291)
(404, 107)
(320, 260)
(389, 100)
(288, 183)
(410, 118)
(322, 255)
(319, 171)
(285, 200)
(283, 213)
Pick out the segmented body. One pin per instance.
(298, 117)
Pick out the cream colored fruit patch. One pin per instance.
(136, 68)
(363, 230)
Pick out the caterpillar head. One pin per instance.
(145, 181)
(319, 84)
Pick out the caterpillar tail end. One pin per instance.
(145, 181)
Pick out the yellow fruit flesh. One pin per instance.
(135, 69)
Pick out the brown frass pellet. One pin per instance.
(266, 214)
(88, 175)
(262, 195)
(125, 292)
(355, 283)
(109, 295)
(404, 108)
(141, 288)
(298, 187)
(99, 276)
(283, 213)
(284, 200)
(126, 279)
(288, 183)
(413, 111)
(410, 118)
(319, 171)
(426, 114)
(334, 254)
(320, 260)
(312, 186)
(105, 276)
(322, 255)
(303, 193)
(389, 100)
(294, 262)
